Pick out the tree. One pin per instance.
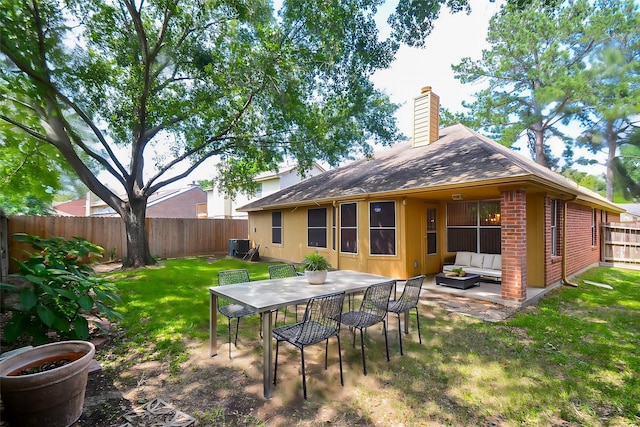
(534, 72)
(630, 155)
(612, 104)
(194, 79)
(627, 167)
(27, 179)
(586, 180)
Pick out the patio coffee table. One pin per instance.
(465, 282)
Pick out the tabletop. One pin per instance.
(266, 295)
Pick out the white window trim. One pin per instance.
(317, 228)
(348, 228)
(395, 228)
(476, 227)
(280, 227)
(554, 227)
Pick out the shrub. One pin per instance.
(315, 262)
(62, 289)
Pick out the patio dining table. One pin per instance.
(263, 296)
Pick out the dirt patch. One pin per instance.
(222, 391)
(219, 391)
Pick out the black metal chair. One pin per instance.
(280, 271)
(373, 310)
(321, 321)
(407, 301)
(228, 308)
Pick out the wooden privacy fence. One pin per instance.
(621, 245)
(168, 237)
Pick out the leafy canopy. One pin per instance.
(148, 90)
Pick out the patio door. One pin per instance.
(431, 257)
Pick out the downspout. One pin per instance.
(565, 280)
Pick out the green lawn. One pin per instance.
(572, 358)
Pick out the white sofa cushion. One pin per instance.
(485, 272)
(497, 262)
(476, 260)
(487, 261)
(463, 258)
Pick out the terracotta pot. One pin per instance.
(316, 277)
(52, 398)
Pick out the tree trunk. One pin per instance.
(138, 252)
(610, 135)
(541, 158)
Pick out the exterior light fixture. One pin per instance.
(457, 196)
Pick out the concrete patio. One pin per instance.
(489, 291)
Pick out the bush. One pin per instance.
(62, 289)
(315, 262)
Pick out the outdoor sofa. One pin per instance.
(488, 265)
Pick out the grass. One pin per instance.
(573, 358)
(166, 304)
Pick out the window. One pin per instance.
(593, 227)
(334, 227)
(382, 228)
(474, 227)
(348, 228)
(276, 227)
(554, 228)
(432, 247)
(317, 228)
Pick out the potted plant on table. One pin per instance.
(45, 384)
(456, 272)
(315, 268)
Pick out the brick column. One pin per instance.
(513, 217)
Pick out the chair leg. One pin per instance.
(326, 353)
(364, 364)
(229, 334)
(275, 368)
(237, 326)
(304, 378)
(386, 341)
(418, 321)
(340, 359)
(400, 334)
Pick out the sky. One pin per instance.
(455, 36)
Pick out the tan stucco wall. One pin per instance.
(294, 239)
(535, 240)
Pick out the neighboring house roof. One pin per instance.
(282, 170)
(160, 197)
(459, 158)
(632, 209)
(76, 207)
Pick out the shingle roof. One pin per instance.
(459, 156)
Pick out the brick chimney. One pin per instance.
(426, 117)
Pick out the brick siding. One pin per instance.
(180, 206)
(513, 215)
(580, 251)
